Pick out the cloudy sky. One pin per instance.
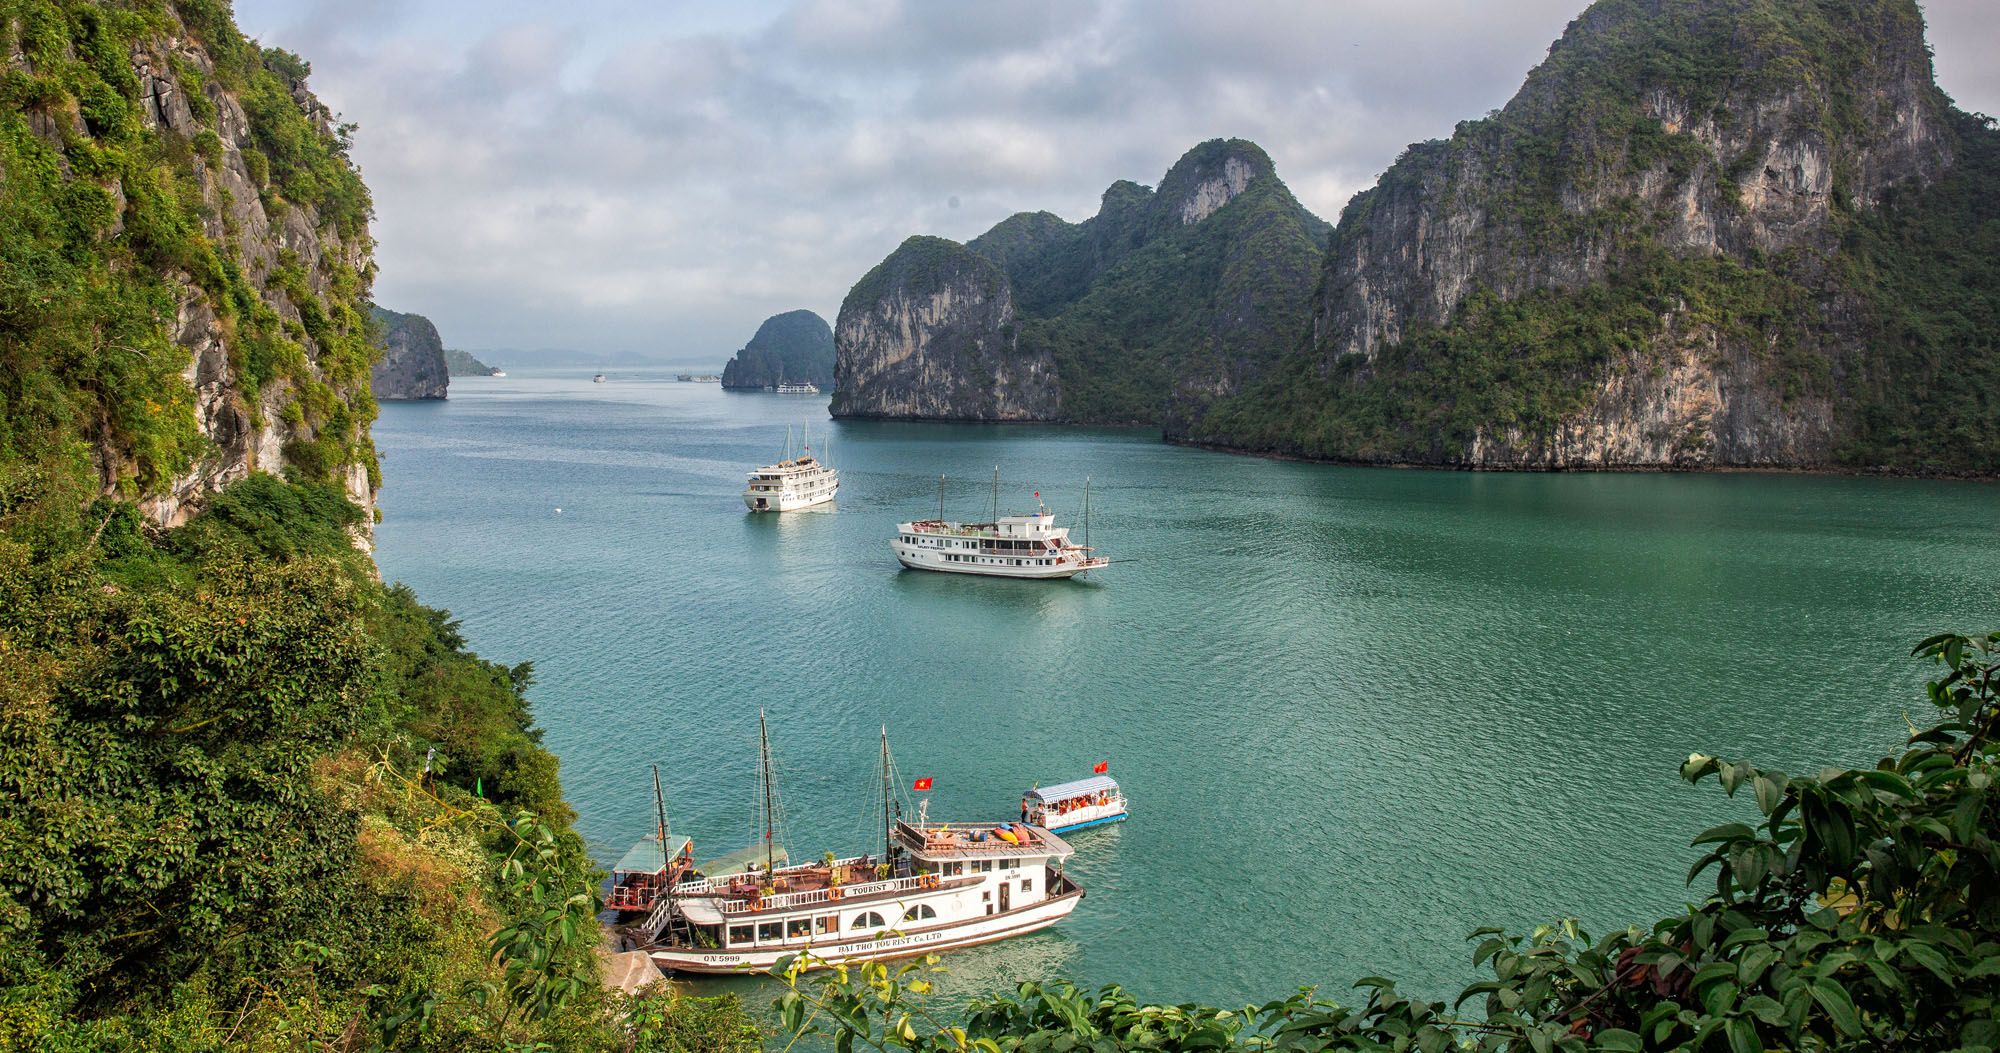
(659, 176)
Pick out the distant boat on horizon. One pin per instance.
(598, 379)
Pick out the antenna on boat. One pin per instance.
(996, 494)
(770, 820)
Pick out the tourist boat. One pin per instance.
(598, 379)
(1029, 546)
(931, 887)
(652, 865)
(1074, 805)
(497, 373)
(792, 483)
(797, 389)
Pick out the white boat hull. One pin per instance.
(780, 501)
(892, 943)
(919, 558)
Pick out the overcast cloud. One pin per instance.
(659, 177)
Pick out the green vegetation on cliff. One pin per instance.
(104, 220)
(1136, 300)
(1772, 194)
(463, 364)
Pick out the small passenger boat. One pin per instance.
(1074, 805)
(652, 865)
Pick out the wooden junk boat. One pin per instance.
(932, 887)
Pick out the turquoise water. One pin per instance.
(1359, 712)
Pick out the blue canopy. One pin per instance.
(1090, 787)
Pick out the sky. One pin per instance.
(658, 177)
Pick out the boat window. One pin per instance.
(1027, 884)
(740, 933)
(798, 927)
(826, 923)
(954, 869)
(920, 912)
(870, 920)
(770, 930)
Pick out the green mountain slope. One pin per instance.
(1705, 232)
(1190, 289)
(793, 347)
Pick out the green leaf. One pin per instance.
(1743, 1036)
(1770, 793)
(1614, 1038)
(1929, 957)
(1839, 1007)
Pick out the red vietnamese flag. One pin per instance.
(921, 784)
(1102, 767)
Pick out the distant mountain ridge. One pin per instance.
(1202, 283)
(793, 347)
(1704, 233)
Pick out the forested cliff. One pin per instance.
(1199, 285)
(795, 347)
(249, 796)
(1704, 233)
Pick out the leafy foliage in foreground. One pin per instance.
(1861, 913)
(215, 828)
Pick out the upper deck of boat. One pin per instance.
(1034, 526)
(796, 466)
(953, 841)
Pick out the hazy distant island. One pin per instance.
(412, 365)
(462, 364)
(795, 347)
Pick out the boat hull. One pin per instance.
(784, 502)
(1119, 818)
(928, 559)
(897, 943)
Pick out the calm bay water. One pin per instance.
(1359, 712)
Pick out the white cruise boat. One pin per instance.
(935, 886)
(792, 483)
(1030, 546)
(807, 388)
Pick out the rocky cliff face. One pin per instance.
(1641, 261)
(412, 365)
(1173, 295)
(189, 169)
(929, 334)
(793, 347)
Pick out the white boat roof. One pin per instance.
(700, 912)
(979, 840)
(1063, 791)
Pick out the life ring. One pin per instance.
(927, 880)
(834, 893)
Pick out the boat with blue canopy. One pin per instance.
(1074, 805)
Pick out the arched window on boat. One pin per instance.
(869, 920)
(920, 912)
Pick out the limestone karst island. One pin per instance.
(1007, 528)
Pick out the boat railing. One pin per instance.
(789, 900)
(742, 878)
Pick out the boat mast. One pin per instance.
(940, 506)
(660, 805)
(770, 820)
(888, 806)
(1086, 511)
(996, 494)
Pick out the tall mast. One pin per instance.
(1086, 511)
(770, 820)
(888, 823)
(996, 493)
(660, 805)
(940, 516)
